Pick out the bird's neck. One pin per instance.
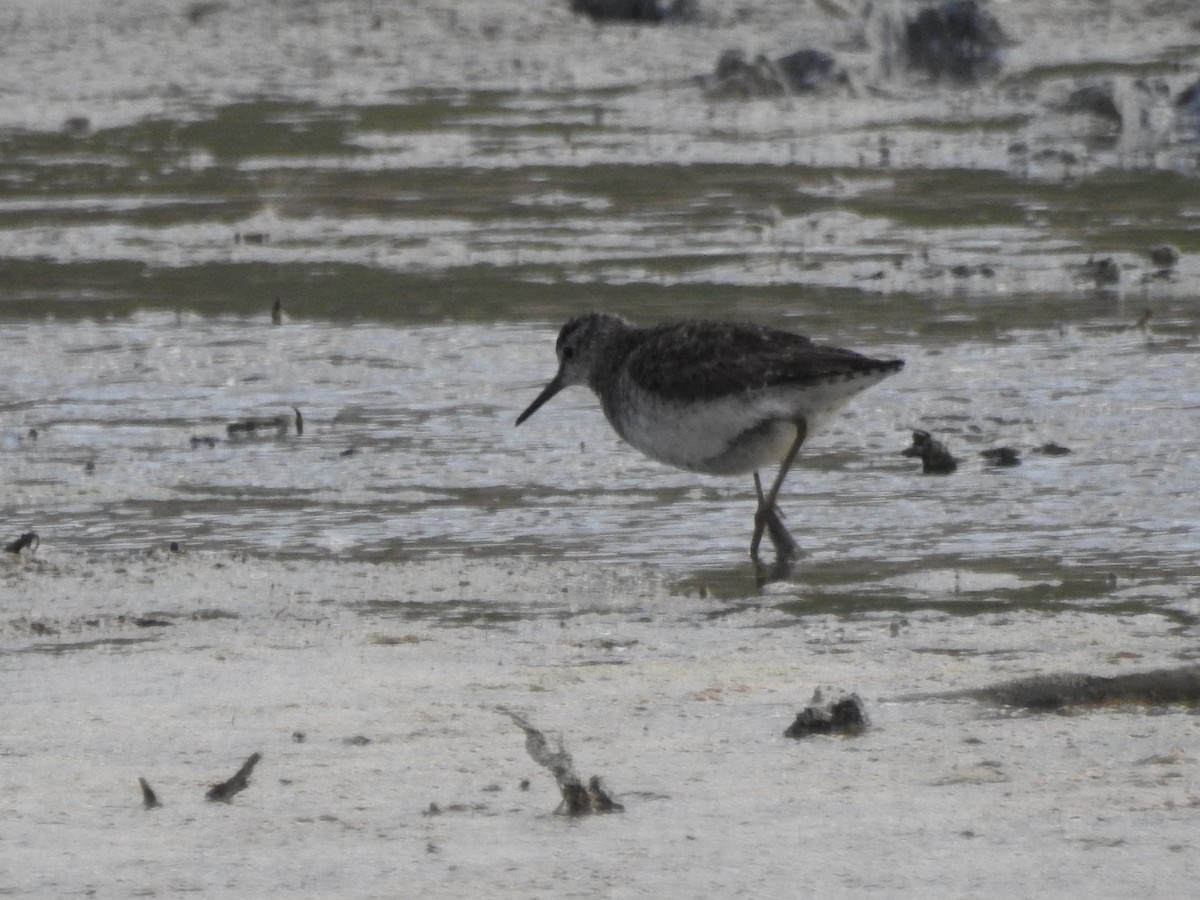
(612, 349)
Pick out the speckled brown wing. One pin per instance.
(705, 360)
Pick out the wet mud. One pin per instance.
(381, 214)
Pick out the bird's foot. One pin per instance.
(769, 520)
(786, 547)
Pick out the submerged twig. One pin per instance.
(278, 424)
(149, 798)
(577, 799)
(225, 791)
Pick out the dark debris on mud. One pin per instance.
(1060, 691)
(577, 798)
(935, 458)
(844, 715)
(651, 11)
(226, 790)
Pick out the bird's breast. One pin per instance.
(729, 435)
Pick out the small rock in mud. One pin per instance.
(801, 72)
(956, 39)
(1050, 448)
(1098, 100)
(935, 458)
(965, 271)
(1164, 256)
(1103, 271)
(1002, 456)
(29, 539)
(636, 10)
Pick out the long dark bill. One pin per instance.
(555, 385)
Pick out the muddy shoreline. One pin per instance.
(682, 711)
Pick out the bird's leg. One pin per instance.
(760, 519)
(788, 459)
(770, 519)
(766, 517)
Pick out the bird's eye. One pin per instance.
(568, 352)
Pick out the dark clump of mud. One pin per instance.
(1002, 456)
(29, 539)
(935, 458)
(845, 715)
(801, 72)
(957, 40)
(252, 425)
(636, 10)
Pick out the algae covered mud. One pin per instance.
(428, 190)
(413, 162)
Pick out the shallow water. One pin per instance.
(431, 189)
(436, 466)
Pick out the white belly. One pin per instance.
(728, 435)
